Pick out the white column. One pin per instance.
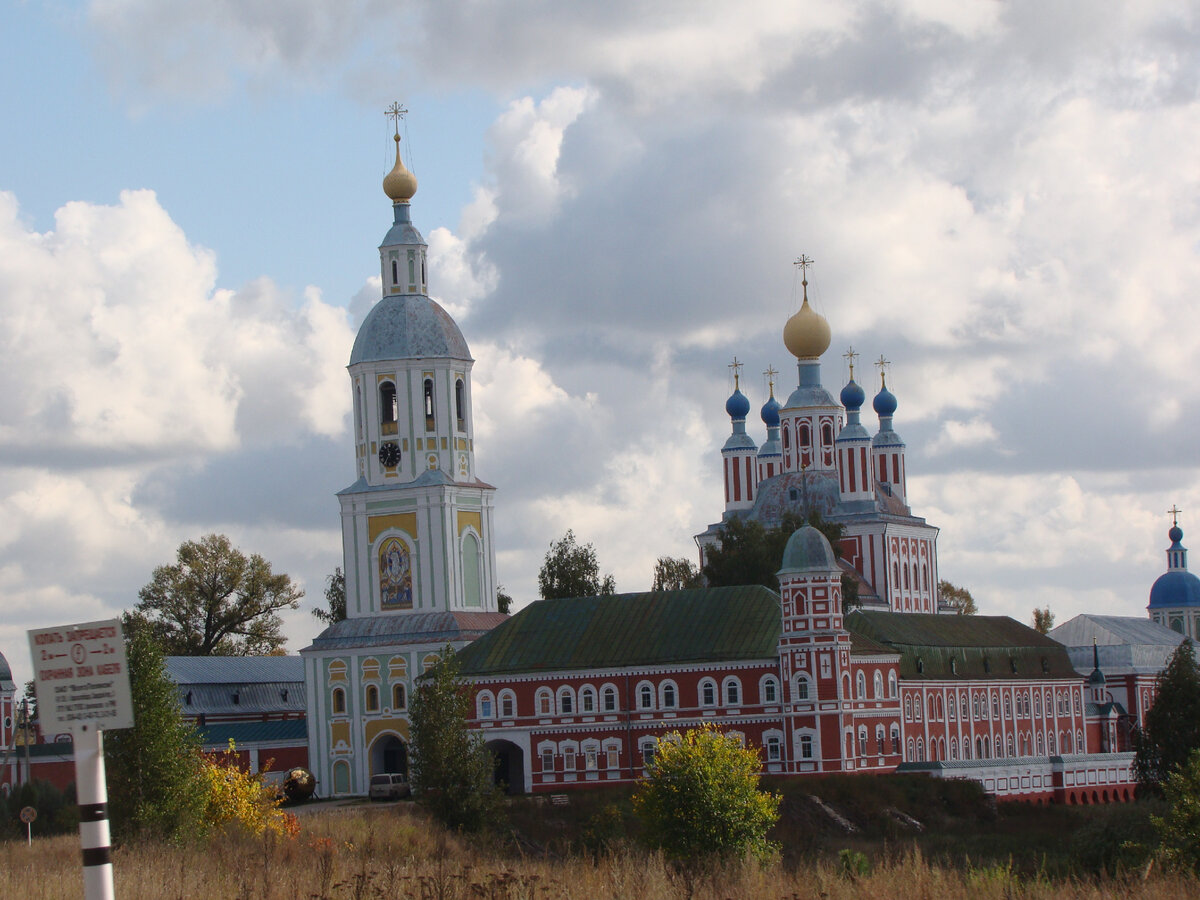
(92, 797)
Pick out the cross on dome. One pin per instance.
(850, 356)
(881, 364)
(1174, 512)
(737, 371)
(770, 376)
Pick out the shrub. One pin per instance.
(236, 796)
(701, 800)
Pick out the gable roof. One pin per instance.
(644, 629)
(234, 669)
(933, 646)
(1124, 644)
(408, 628)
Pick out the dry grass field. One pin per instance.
(394, 852)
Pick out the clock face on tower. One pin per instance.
(389, 454)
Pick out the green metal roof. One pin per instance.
(648, 629)
(949, 646)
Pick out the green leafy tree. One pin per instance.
(503, 600)
(959, 598)
(571, 570)
(1172, 731)
(1043, 620)
(154, 785)
(750, 553)
(452, 771)
(216, 601)
(675, 574)
(335, 598)
(701, 801)
(1179, 829)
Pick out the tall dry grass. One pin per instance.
(395, 853)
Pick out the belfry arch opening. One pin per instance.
(389, 755)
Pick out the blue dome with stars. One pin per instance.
(737, 405)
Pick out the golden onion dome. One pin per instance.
(806, 334)
(399, 184)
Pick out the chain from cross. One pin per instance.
(1174, 512)
(396, 112)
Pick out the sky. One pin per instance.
(1001, 198)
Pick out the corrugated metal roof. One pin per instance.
(234, 669)
(645, 629)
(1085, 629)
(406, 628)
(219, 734)
(218, 699)
(976, 647)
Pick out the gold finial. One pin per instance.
(399, 184)
(1174, 512)
(737, 371)
(850, 356)
(803, 262)
(771, 373)
(881, 364)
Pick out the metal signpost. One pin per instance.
(28, 816)
(82, 682)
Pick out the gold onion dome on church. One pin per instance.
(806, 334)
(399, 184)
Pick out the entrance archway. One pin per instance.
(510, 765)
(389, 755)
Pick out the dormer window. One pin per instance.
(388, 409)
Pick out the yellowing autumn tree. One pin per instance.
(241, 797)
(700, 799)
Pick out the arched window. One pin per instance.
(862, 740)
(995, 707)
(826, 435)
(878, 684)
(668, 695)
(646, 697)
(953, 748)
(879, 740)
(460, 405)
(399, 696)
(610, 699)
(975, 707)
(372, 698)
(508, 705)
(339, 701)
(892, 685)
(924, 576)
(485, 706)
(733, 692)
(358, 410)
(860, 685)
(770, 690)
(387, 407)
(906, 582)
(801, 688)
(566, 702)
(708, 692)
(774, 748)
(953, 708)
(896, 574)
(1041, 745)
(1079, 742)
(1007, 707)
(917, 707)
(1037, 705)
(908, 709)
(804, 437)
(587, 700)
(920, 749)
(895, 739)
(912, 750)
(545, 703)
(395, 272)
(429, 424)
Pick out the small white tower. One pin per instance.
(887, 449)
(854, 445)
(737, 456)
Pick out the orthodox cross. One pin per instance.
(850, 356)
(802, 263)
(396, 112)
(1174, 512)
(770, 374)
(881, 364)
(737, 371)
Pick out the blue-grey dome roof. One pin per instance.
(809, 395)
(770, 413)
(808, 550)
(885, 403)
(1175, 534)
(6, 682)
(853, 396)
(737, 405)
(408, 326)
(1173, 589)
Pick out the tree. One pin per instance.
(675, 574)
(154, 784)
(959, 598)
(571, 570)
(1043, 620)
(216, 601)
(750, 553)
(503, 600)
(335, 598)
(1172, 729)
(700, 799)
(452, 770)
(1179, 828)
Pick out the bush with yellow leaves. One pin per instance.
(241, 797)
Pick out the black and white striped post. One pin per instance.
(81, 677)
(92, 793)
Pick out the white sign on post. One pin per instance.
(81, 677)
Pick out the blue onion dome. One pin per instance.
(885, 400)
(1175, 589)
(853, 396)
(770, 413)
(737, 405)
(1175, 534)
